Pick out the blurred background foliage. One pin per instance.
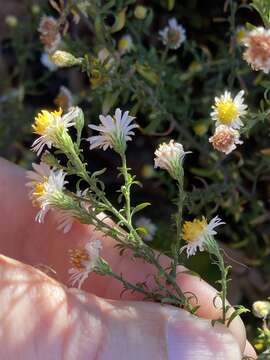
(170, 92)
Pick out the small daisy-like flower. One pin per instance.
(225, 139)
(170, 157)
(115, 130)
(173, 35)
(196, 233)
(83, 262)
(125, 44)
(46, 188)
(64, 99)
(49, 33)
(148, 226)
(46, 61)
(257, 53)
(228, 111)
(50, 126)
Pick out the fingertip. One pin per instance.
(196, 338)
(209, 308)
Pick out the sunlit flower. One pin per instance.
(64, 99)
(196, 233)
(149, 227)
(225, 139)
(228, 111)
(83, 262)
(257, 53)
(46, 188)
(49, 33)
(125, 44)
(173, 35)
(170, 157)
(115, 130)
(50, 126)
(46, 61)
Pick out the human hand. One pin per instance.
(42, 319)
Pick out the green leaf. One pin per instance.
(98, 173)
(239, 310)
(140, 207)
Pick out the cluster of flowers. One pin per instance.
(172, 37)
(227, 114)
(47, 183)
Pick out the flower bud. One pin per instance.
(65, 59)
(170, 157)
(261, 309)
(79, 120)
(140, 12)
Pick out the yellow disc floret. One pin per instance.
(193, 229)
(78, 257)
(227, 111)
(45, 119)
(39, 189)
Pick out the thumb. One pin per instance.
(41, 319)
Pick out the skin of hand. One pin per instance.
(41, 318)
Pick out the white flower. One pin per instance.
(149, 226)
(225, 139)
(170, 157)
(196, 233)
(50, 126)
(228, 111)
(257, 53)
(49, 33)
(46, 61)
(173, 35)
(125, 44)
(47, 187)
(83, 261)
(116, 131)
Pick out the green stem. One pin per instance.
(223, 281)
(127, 188)
(134, 287)
(179, 215)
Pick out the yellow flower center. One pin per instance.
(39, 189)
(124, 44)
(193, 229)
(44, 119)
(77, 257)
(240, 34)
(227, 111)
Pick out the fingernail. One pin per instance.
(191, 338)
